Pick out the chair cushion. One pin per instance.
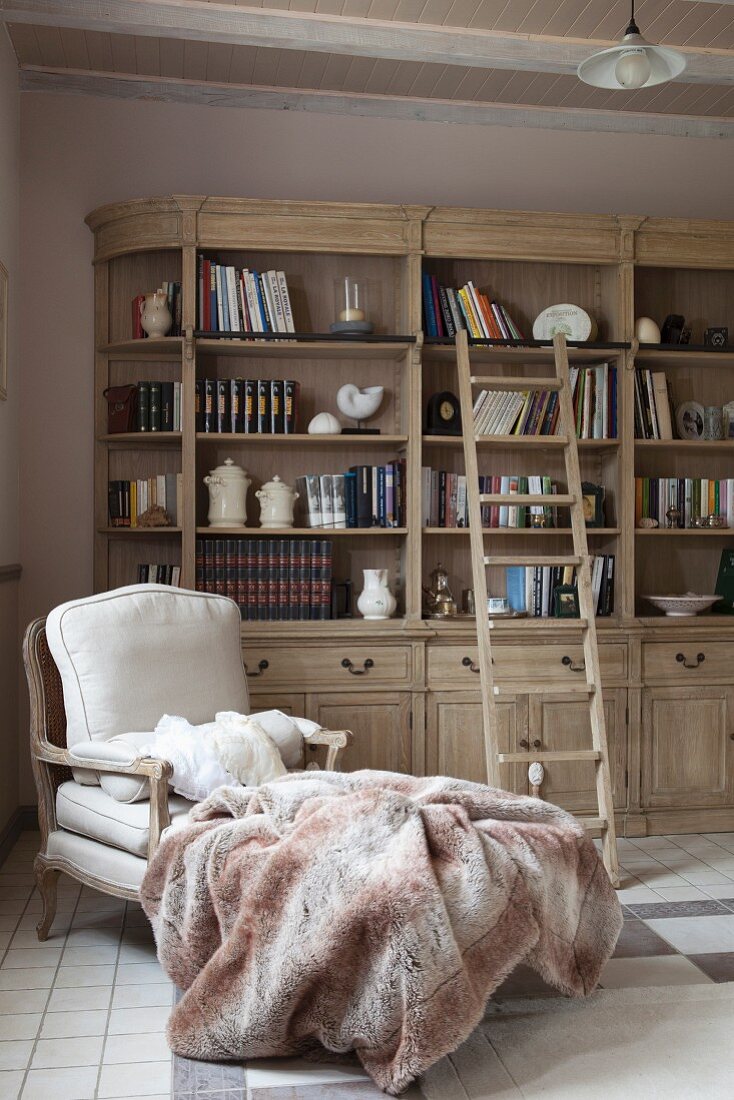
(93, 813)
(130, 656)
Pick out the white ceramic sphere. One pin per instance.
(324, 424)
(646, 331)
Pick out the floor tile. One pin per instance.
(137, 953)
(356, 1090)
(622, 973)
(15, 893)
(140, 974)
(637, 940)
(15, 1053)
(146, 1046)
(650, 843)
(134, 1079)
(10, 1084)
(62, 1025)
(523, 982)
(8, 922)
(718, 965)
(203, 1078)
(73, 976)
(697, 935)
(34, 978)
(269, 1072)
(23, 1025)
(61, 1084)
(706, 908)
(15, 906)
(94, 937)
(705, 878)
(660, 876)
(724, 894)
(53, 1053)
(24, 957)
(142, 996)
(80, 999)
(30, 1000)
(89, 956)
(27, 938)
(127, 1021)
(637, 894)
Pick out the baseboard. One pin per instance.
(25, 817)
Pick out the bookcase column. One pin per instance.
(189, 209)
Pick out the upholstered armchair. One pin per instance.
(113, 664)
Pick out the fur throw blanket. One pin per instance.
(368, 911)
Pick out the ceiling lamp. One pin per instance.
(633, 64)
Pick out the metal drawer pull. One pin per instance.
(681, 659)
(468, 663)
(568, 662)
(262, 665)
(366, 666)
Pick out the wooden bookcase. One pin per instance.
(416, 707)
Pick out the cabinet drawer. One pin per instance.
(454, 665)
(313, 667)
(685, 662)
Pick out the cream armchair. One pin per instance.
(112, 664)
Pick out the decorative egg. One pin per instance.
(324, 424)
(646, 331)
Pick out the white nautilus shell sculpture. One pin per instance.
(359, 404)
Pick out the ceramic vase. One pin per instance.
(376, 601)
(155, 316)
(227, 485)
(276, 504)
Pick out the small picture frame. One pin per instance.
(3, 333)
(592, 498)
(565, 602)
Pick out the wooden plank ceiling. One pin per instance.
(84, 56)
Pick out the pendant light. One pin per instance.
(634, 63)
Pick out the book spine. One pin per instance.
(283, 611)
(230, 567)
(314, 575)
(252, 580)
(290, 406)
(293, 581)
(263, 406)
(241, 571)
(286, 302)
(166, 406)
(154, 416)
(277, 418)
(221, 419)
(262, 580)
(236, 406)
(143, 407)
(304, 580)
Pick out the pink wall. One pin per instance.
(80, 152)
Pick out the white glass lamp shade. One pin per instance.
(634, 63)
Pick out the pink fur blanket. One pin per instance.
(368, 911)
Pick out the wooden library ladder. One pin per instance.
(580, 560)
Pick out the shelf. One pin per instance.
(686, 532)
(142, 439)
(304, 439)
(389, 347)
(535, 532)
(673, 356)
(524, 353)
(301, 532)
(725, 445)
(138, 531)
(164, 347)
(540, 442)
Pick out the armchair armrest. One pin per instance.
(101, 757)
(336, 740)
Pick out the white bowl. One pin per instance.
(680, 606)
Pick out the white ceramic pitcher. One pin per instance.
(376, 601)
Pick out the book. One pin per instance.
(143, 407)
(154, 409)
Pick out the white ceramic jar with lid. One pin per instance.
(276, 504)
(227, 485)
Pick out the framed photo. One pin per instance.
(592, 497)
(565, 602)
(3, 333)
(689, 420)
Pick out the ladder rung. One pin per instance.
(529, 757)
(593, 823)
(508, 559)
(549, 500)
(518, 384)
(527, 688)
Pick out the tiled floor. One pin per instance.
(82, 1016)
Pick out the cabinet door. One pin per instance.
(687, 746)
(289, 703)
(562, 722)
(455, 737)
(380, 722)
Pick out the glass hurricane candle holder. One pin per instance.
(351, 307)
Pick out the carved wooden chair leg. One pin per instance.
(47, 879)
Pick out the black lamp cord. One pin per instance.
(632, 27)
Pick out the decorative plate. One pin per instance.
(572, 321)
(682, 606)
(689, 420)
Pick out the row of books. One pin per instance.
(158, 407)
(234, 300)
(247, 406)
(364, 496)
(159, 574)
(533, 588)
(174, 301)
(275, 580)
(691, 496)
(446, 310)
(128, 500)
(444, 504)
(536, 412)
(652, 405)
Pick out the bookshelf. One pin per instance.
(416, 706)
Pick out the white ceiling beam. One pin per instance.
(170, 90)
(278, 29)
